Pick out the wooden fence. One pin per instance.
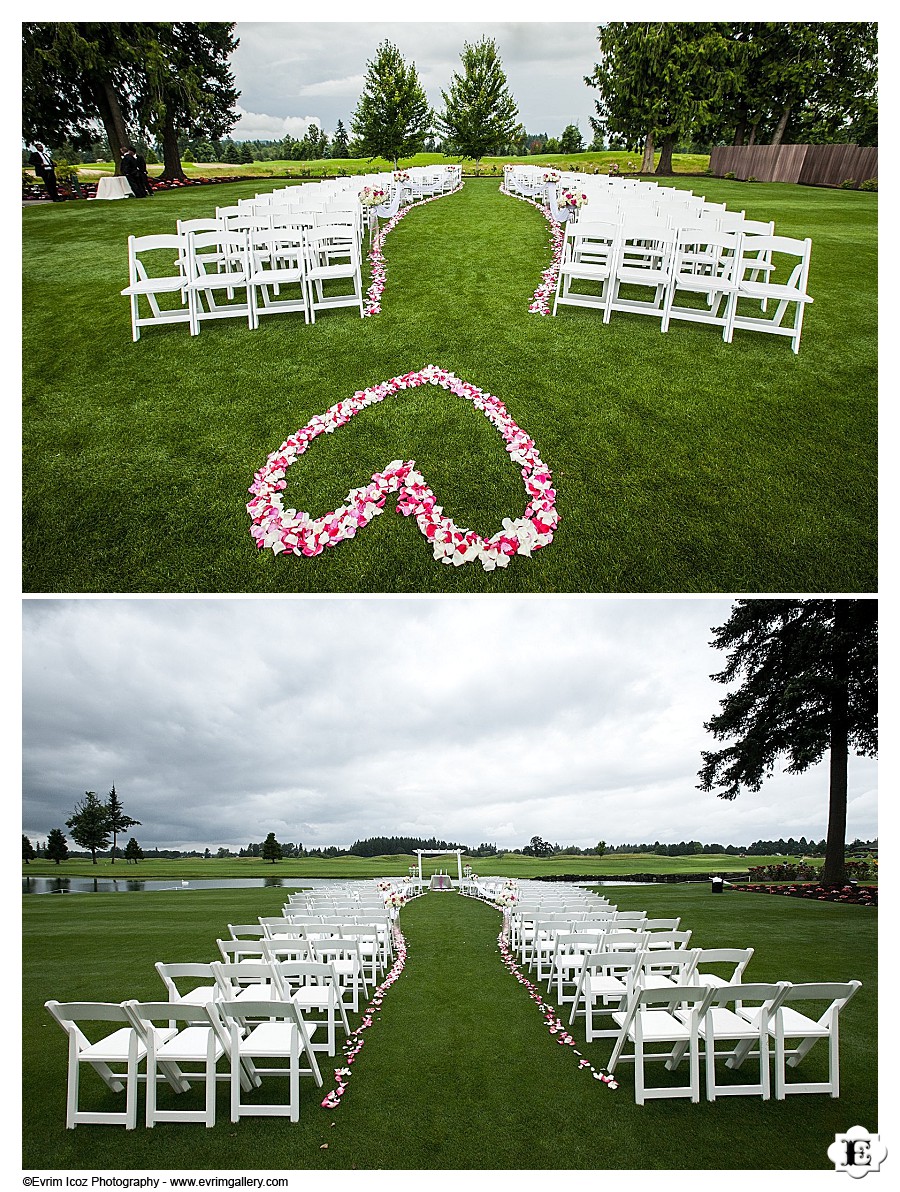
(809, 165)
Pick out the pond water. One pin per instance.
(131, 885)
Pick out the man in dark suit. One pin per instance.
(131, 170)
(43, 165)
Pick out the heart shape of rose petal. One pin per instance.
(291, 531)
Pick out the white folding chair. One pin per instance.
(736, 959)
(194, 983)
(650, 1021)
(792, 1026)
(246, 931)
(771, 253)
(589, 251)
(706, 264)
(605, 983)
(188, 1054)
(643, 262)
(346, 959)
(115, 1057)
(667, 939)
(229, 252)
(661, 968)
(268, 1031)
(151, 260)
(277, 273)
(315, 988)
(327, 276)
(571, 947)
(246, 980)
(744, 1027)
(234, 950)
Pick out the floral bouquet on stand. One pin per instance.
(371, 197)
(572, 201)
(552, 175)
(401, 176)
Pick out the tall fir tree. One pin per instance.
(57, 848)
(116, 820)
(809, 671)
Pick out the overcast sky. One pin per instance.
(292, 73)
(331, 720)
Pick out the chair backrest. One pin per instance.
(624, 941)
(768, 995)
(738, 957)
(174, 975)
(676, 964)
(246, 931)
(148, 1018)
(835, 993)
(668, 939)
(241, 949)
(141, 262)
(295, 974)
(70, 1014)
(232, 978)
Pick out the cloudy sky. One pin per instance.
(328, 720)
(295, 72)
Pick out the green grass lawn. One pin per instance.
(458, 1070)
(681, 463)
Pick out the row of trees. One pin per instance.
(663, 83)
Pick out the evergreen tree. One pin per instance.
(89, 824)
(340, 142)
(116, 820)
(810, 685)
(571, 140)
(28, 853)
(245, 157)
(271, 849)
(480, 115)
(658, 80)
(133, 851)
(57, 849)
(392, 116)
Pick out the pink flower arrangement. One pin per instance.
(292, 531)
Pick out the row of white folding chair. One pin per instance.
(722, 267)
(283, 971)
(566, 960)
(538, 950)
(747, 1017)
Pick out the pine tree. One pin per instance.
(133, 851)
(392, 116)
(28, 853)
(116, 820)
(810, 686)
(340, 142)
(480, 115)
(89, 824)
(57, 849)
(271, 849)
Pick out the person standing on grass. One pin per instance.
(43, 165)
(131, 171)
(144, 176)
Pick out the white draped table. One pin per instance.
(114, 188)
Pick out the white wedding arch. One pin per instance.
(440, 852)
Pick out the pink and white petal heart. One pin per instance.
(290, 531)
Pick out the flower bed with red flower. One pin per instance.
(294, 532)
(854, 895)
